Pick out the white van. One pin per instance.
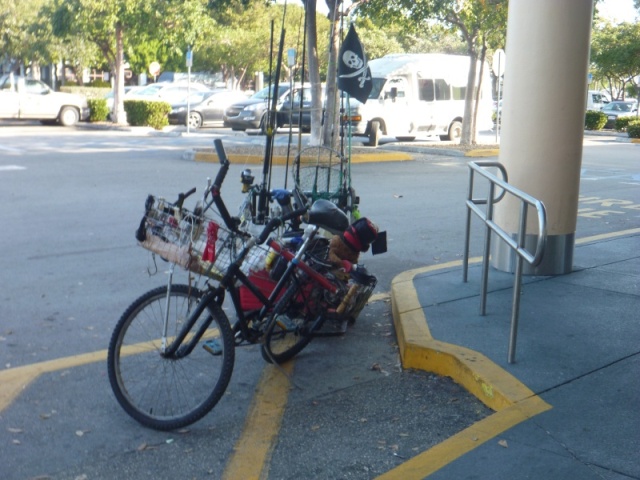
(595, 100)
(419, 94)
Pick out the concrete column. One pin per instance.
(545, 91)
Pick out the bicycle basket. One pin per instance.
(194, 242)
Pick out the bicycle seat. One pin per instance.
(327, 215)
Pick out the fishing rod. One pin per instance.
(270, 129)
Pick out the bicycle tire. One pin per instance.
(290, 327)
(164, 393)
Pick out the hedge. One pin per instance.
(633, 129)
(143, 112)
(595, 120)
(98, 109)
(622, 122)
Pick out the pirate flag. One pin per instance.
(354, 75)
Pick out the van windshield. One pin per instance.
(378, 85)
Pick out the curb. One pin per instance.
(210, 157)
(512, 401)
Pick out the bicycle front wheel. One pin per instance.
(162, 391)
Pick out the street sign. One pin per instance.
(154, 69)
(189, 58)
(499, 58)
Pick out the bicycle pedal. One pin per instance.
(213, 347)
(285, 323)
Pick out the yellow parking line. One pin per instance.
(14, 380)
(252, 453)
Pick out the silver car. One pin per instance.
(619, 108)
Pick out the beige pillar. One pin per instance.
(545, 91)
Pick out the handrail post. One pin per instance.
(517, 285)
(467, 235)
(487, 252)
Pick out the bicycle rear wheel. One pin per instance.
(291, 325)
(167, 392)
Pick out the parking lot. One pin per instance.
(346, 409)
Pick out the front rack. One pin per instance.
(193, 241)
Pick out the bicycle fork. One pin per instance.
(176, 349)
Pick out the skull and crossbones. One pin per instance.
(352, 60)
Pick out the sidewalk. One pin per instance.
(568, 407)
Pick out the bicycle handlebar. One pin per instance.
(217, 184)
(224, 161)
(277, 221)
(183, 196)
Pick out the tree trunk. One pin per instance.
(331, 134)
(474, 118)
(469, 101)
(119, 115)
(314, 73)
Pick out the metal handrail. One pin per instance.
(518, 246)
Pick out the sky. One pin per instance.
(616, 10)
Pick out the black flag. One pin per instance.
(354, 75)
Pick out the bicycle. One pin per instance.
(157, 373)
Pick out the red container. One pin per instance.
(248, 301)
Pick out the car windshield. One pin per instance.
(267, 92)
(150, 90)
(618, 107)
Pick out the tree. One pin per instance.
(18, 33)
(615, 56)
(476, 21)
(113, 24)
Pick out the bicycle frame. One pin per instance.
(229, 284)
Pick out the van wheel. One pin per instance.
(374, 134)
(455, 132)
(69, 116)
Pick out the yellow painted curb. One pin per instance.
(512, 401)
(487, 152)
(418, 349)
(202, 156)
(635, 140)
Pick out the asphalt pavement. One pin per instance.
(420, 387)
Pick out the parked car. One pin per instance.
(252, 112)
(29, 99)
(128, 89)
(205, 108)
(289, 112)
(169, 92)
(619, 108)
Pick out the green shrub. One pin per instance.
(100, 84)
(143, 112)
(595, 120)
(622, 122)
(98, 109)
(633, 129)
